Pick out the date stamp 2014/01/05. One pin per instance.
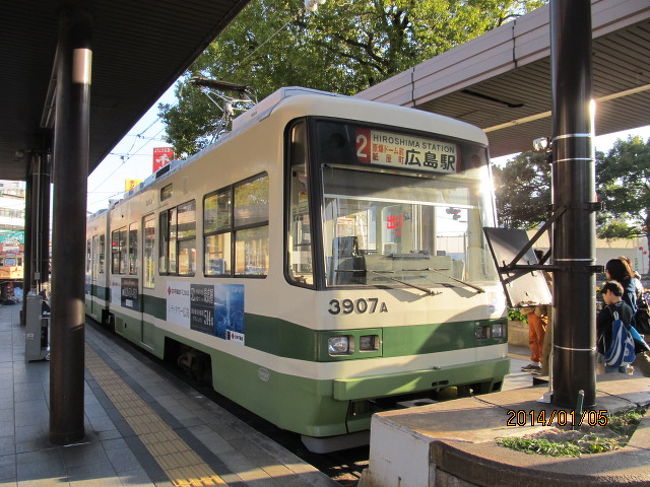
(556, 417)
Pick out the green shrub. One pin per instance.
(514, 314)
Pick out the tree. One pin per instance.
(623, 185)
(346, 46)
(523, 190)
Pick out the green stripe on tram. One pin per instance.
(286, 339)
(100, 292)
(309, 406)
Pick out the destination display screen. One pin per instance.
(347, 143)
(376, 147)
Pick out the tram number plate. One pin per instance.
(360, 306)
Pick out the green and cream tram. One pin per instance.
(320, 260)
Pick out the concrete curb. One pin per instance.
(488, 464)
(453, 444)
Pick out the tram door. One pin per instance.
(94, 275)
(146, 276)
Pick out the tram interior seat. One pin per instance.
(349, 264)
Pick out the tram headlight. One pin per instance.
(498, 331)
(369, 342)
(339, 345)
(483, 332)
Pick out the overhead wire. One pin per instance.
(126, 157)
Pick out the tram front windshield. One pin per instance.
(398, 228)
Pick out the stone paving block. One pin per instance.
(7, 427)
(39, 465)
(49, 482)
(32, 437)
(91, 453)
(7, 445)
(93, 476)
(212, 440)
(29, 394)
(122, 459)
(135, 478)
(34, 417)
(7, 468)
(101, 423)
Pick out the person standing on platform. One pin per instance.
(536, 330)
(612, 293)
(636, 279)
(619, 270)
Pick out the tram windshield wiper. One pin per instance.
(382, 274)
(439, 271)
(421, 288)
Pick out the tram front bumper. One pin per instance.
(413, 381)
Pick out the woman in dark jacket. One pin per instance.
(620, 271)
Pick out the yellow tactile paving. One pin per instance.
(179, 462)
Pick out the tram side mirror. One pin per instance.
(522, 287)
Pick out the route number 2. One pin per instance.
(362, 145)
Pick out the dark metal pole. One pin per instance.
(574, 190)
(71, 149)
(44, 214)
(27, 248)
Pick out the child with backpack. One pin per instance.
(615, 341)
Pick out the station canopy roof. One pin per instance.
(501, 81)
(139, 49)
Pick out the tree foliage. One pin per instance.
(623, 184)
(346, 46)
(523, 190)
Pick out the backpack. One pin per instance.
(620, 351)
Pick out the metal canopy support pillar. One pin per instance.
(28, 247)
(37, 224)
(39, 214)
(43, 235)
(573, 190)
(71, 152)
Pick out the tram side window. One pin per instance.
(178, 240)
(149, 236)
(236, 221)
(102, 248)
(119, 251)
(94, 265)
(163, 242)
(115, 252)
(133, 248)
(88, 256)
(251, 226)
(186, 235)
(217, 226)
(172, 252)
(124, 255)
(299, 247)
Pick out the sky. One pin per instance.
(132, 157)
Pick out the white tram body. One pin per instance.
(323, 256)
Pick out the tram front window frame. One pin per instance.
(395, 197)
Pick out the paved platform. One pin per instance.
(144, 428)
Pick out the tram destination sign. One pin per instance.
(376, 147)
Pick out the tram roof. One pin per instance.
(501, 81)
(139, 49)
